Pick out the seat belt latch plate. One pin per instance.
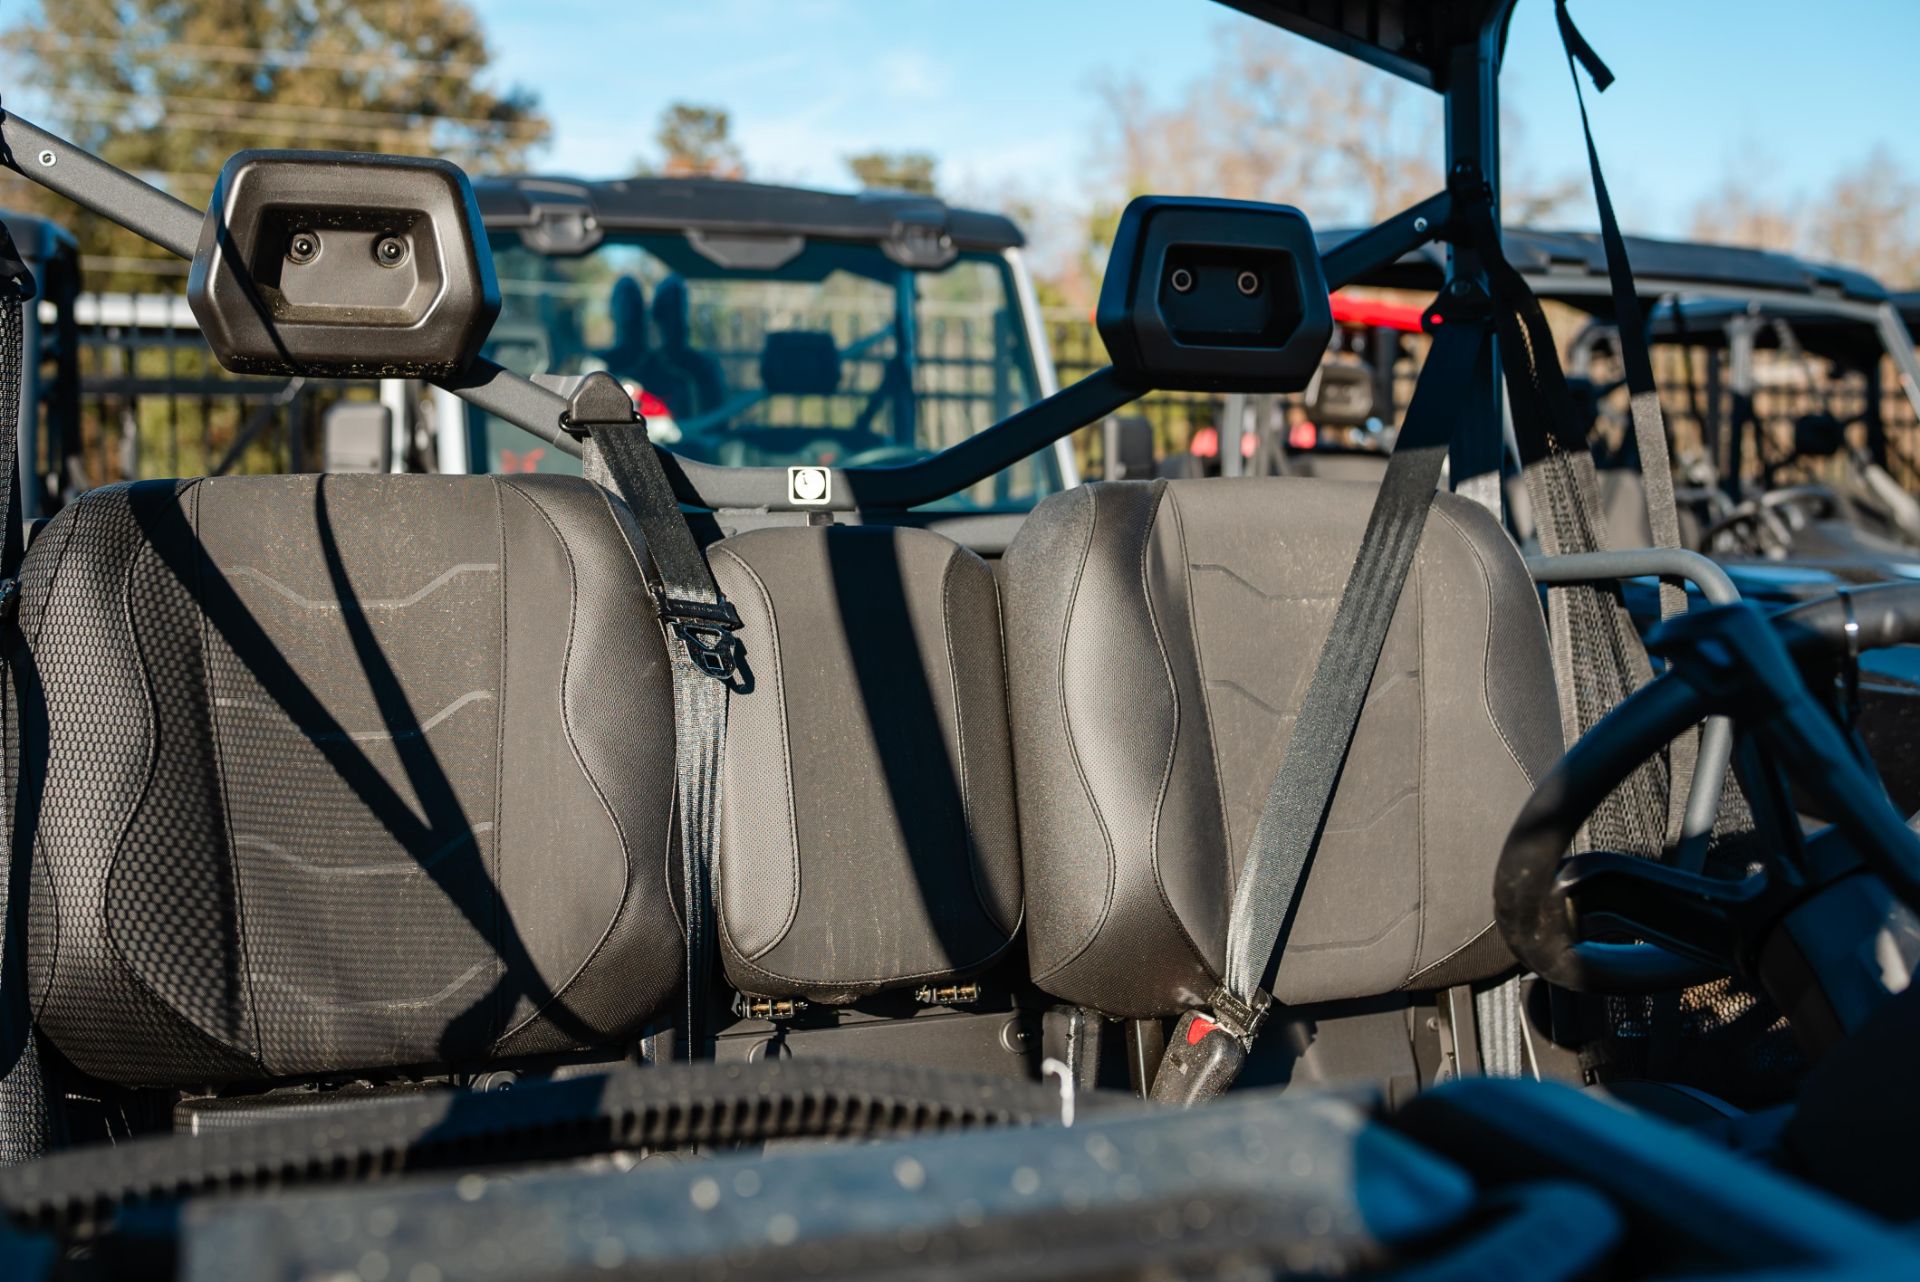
(1240, 1019)
(706, 629)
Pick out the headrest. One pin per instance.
(800, 362)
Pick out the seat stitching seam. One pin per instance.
(37, 845)
(566, 726)
(786, 766)
(1164, 499)
(1092, 503)
(1006, 706)
(1486, 658)
(1420, 770)
(634, 539)
(1477, 936)
(107, 931)
(503, 1009)
(221, 779)
(885, 981)
(960, 735)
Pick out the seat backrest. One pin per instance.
(343, 773)
(1160, 638)
(867, 833)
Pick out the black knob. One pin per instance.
(303, 247)
(390, 251)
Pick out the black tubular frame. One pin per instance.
(1471, 92)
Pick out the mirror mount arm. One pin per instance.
(1359, 256)
(92, 183)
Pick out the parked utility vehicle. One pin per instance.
(563, 842)
(759, 325)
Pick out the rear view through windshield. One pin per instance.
(821, 353)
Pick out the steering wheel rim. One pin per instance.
(1728, 661)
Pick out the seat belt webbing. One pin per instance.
(1643, 396)
(1296, 806)
(695, 615)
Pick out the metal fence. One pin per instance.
(154, 402)
(1176, 416)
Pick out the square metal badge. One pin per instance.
(809, 486)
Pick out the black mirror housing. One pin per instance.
(1214, 296)
(343, 265)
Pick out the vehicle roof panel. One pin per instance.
(725, 205)
(1409, 38)
(1579, 259)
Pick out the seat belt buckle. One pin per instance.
(9, 601)
(1208, 1049)
(706, 628)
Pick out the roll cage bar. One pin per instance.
(1458, 43)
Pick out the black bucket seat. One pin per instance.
(343, 773)
(868, 837)
(1160, 638)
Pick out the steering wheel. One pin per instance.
(1731, 661)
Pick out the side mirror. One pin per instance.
(1214, 296)
(341, 265)
(357, 436)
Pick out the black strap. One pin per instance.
(1643, 395)
(1296, 807)
(697, 618)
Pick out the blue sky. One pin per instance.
(1003, 92)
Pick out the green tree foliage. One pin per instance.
(170, 88)
(894, 171)
(697, 141)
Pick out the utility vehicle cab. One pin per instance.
(760, 326)
(1715, 306)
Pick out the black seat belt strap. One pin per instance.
(1208, 1047)
(699, 619)
(1643, 396)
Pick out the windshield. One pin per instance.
(821, 352)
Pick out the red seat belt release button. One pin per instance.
(1201, 1061)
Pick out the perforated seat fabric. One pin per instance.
(867, 832)
(1160, 638)
(343, 773)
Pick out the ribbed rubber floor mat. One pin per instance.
(664, 1107)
